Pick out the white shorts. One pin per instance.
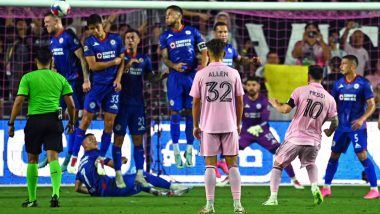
(214, 143)
(288, 151)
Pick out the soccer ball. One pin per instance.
(60, 8)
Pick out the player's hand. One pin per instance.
(69, 128)
(197, 133)
(274, 102)
(164, 74)
(86, 86)
(11, 131)
(256, 60)
(117, 86)
(327, 132)
(350, 25)
(179, 67)
(124, 160)
(117, 60)
(357, 124)
(131, 62)
(255, 130)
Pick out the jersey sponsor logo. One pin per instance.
(95, 44)
(356, 86)
(106, 55)
(112, 42)
(92, 105)
(347, 97)
(99, 55)
(188, 32)
(170, 35)
(181, 43)
(60, 40)
(252, 115)
(58, 51)
(258, 106)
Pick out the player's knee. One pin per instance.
(86, 120)
(108, 125)
(137, 140)
(32, 158)
(362, 155)
(118, 141)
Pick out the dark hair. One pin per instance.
(44, 56)
(271, 52)
(49, 14)
(94, 19)
(175, 8)
(219, 24)
(316, 72)
(252, 79)
(216, 47)
(131, 30)
(88, 134)
(352, 59)
(312, 23)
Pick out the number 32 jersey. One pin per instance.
(217, 86)
(314, 106)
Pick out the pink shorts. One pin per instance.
(226, 143)
(288, 151)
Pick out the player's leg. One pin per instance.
(119, 131)
(339, 145)
(189, 136)
(307, 156)
(55, 175)
(284, 156)
(359, 139)
(109, 119)
(269, 142)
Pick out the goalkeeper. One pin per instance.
(255, 127)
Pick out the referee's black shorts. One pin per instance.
(43, 129)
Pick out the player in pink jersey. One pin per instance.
(219, 89)
(303, 137)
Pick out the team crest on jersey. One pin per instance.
(356, 86)
(172, 45)
(118, 127)
(60, 40)
(92, 105)
(258, 106)
(229, 50)
(113, 42)
(171, 102)
(141, 60)
(188, 32)
(99, 55)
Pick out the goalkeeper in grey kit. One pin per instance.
(255, 126)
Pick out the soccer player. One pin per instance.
(44, 89)
(131, 111)
(354, 97)
(178, 48)
(104, 53)
(303, 137)
(68, 61)
(104, 186)
(255, 126)
(219, 90)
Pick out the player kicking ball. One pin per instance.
(303, 137)
(219, 90)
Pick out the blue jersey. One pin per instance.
(132, 80)
(181, 46)
(62, 46)
(351, 99)
(104, 51)
(231, 54)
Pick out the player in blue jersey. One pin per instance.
(104, 186)
(68, 61)
(355, 102)
(231, 57)
(104, 53)
(179, 44)
(131, 111)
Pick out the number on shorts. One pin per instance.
(141, 121)
(115, 99)
(226, 97)
(356, 138)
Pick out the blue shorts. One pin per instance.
(131, 117)
(341, 141)
(109, 188)
(179, 86)
(102, 96)
(78, 95)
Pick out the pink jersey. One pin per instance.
(314, 106)
(217, 86)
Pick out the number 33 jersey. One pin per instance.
(314, 106)
(217, 86)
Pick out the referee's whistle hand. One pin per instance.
(11, 131)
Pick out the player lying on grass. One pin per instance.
(105, 186)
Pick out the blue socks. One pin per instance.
(79, 136)
(189, 130)
(174, 127)
(332, 166)
(370, 171)
(116, 156)
(138, 155)
(106, 141)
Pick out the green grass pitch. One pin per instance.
(345, 200)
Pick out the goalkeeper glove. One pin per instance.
(255, 130)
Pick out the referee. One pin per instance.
(43, 88)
